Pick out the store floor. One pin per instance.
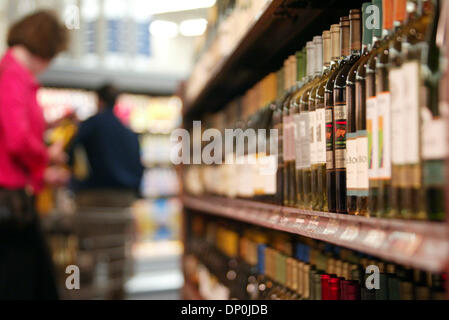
(157, 272)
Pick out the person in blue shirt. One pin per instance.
(112, 149)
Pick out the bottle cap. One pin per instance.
(310, 58)
(327, 48)
(334, 289)
(345, 36)
(335, 42)
(355, 17)
(388, 8)
(325, 286)
(318, 42)
(400, 10)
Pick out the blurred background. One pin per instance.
(145, 48)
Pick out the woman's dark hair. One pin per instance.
(41, 33)
(108, 94)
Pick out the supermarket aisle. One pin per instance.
(157, 274)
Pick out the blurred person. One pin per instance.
(113, 154)
(26, 163)
(115, 172)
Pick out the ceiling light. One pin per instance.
(158, 7)
(164, 29)
(193, 27)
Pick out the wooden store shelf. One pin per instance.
(282, 29)
(423, 245)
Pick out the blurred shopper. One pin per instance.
(113, 153)
(26, 164)
(112, 186)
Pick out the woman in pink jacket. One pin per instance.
(25, 161)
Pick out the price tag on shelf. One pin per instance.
(314, 222)
(351, 233)
(433, 248)
(332, 227)
(300, 223)
(405, 243)
(284, 221)
(375, 238)
(274, 219)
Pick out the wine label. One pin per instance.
(411, 76)
(303, 141)
(320, 133)
(259, 179)
(398, 117)
(289, 138)
(341, 115)
(384, 135)
(267, 170)
(351, 164)
(330, 139)
(313, 140)
(371, 126)
(434, 137)
(362, 164)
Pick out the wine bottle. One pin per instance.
(434, 142)
(318, 123)
(356, 166)
(371, 114)
(360, 116)
(306, 120)
(341, 40)
(341, 101)
(396, 90)
(383, 106)
(289, 179)
(414, 45)
(319, 188)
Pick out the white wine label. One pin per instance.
(296, 120)
(411, 76)
(384, 135)
(259, 179)
(289, 138)
(371, 126)
(434, 137)
(398, 116)
(313, 142)
(362, 164)
(320, 133)
(303, 143)
(267, 170)
(351, 164)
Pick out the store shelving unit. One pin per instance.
(282, 28)
(423, 245)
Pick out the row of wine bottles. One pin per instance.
(360, 114)
(262, 265)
